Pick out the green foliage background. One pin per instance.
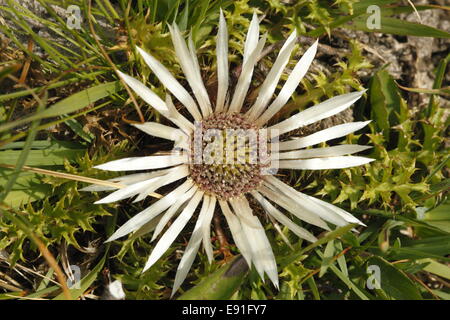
(76, 118)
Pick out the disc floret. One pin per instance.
(225, 158)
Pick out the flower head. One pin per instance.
(226, 153)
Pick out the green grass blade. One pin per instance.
(221, 284)
(394, 282)
(73, 103)
(284, 261)
(22, 157)
(398, 27)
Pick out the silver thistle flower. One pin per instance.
(223, 184)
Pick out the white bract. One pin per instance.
(207, 188)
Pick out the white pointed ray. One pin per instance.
(324, 163)
(137, 177)
(151, 212)
(270, 83)
(125, 180)
(174, 116)
(190, 69)
(193, 245)
(278, 215)
(129, 191)
(344, 214)
(236, 231)
(144, 163)
(300, 211)
(145, 93)
(302, 200)
(241, 212)
(261, 250)
(322, 136)
(290, 85)
(222, 63)
(318, 112)
(169, 81)
(146, 228)
(159, 130)
(170, 235)
(247, 222)
(277, 227)
(146, 187)
(141, 196)
(206, 229)
(194, 59)
(176, 174)
(203, 93)
(245, 77)
(334, 151)
(97, 188)
(251, 41)
(165, 180)
(171, 212)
